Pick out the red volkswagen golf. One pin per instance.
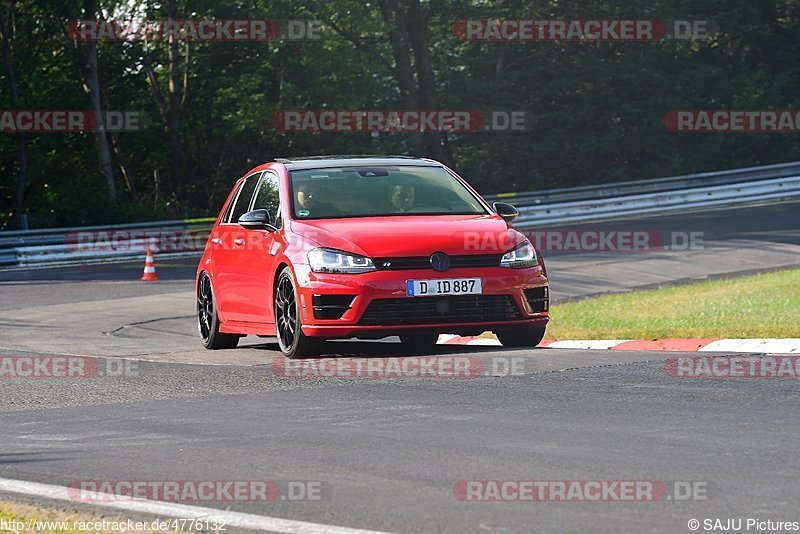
(319, 248)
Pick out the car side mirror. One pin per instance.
(506, 211)
(256, 220)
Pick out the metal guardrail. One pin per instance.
(63, 246)
(635, 205)
(657, 185)
(102, 244)
(625, 199)
(8, 257)
(47, 236)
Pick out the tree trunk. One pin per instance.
(119, 156)
(93, 85)
(177, 97)
(170, 107)
(418, 36)
(394, 16)
(22, 153)
(122, 163)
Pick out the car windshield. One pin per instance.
(379, 191)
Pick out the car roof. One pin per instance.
(317, 162)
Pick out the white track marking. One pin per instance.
(585, 344)
(444, 338)
(183, 511)
(771, 346)
(485, 341)
(452, 339)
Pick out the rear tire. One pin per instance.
(522, 337)
(419, 341)
(208, 319)
(291, 339)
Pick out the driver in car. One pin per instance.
(310, 201)
(306, 194)
(402, 196)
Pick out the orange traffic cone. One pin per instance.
(149, 274)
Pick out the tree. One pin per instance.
(171, 105)
(94, 91)
(6, 34)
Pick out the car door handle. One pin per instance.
(238, 242)
(216, 241)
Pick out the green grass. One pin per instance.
(762, 305)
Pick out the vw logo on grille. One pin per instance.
(440, 261)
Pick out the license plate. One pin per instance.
(443, 286)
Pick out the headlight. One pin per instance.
(327, 260)
(522, 256)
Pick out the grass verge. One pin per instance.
(19, 518)
(762, 305)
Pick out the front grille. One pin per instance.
(538, 298)
(424, 262)
(444, 309)
(331, 306)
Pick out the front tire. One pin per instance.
(291, 339)
(208, 319)
(523, 337)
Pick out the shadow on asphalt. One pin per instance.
(8, 458)
(366, 349)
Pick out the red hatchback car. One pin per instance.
(339, 247)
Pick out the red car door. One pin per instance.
(218, 244)
(257, 259)
(228, 256)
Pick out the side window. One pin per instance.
(245, 196)
(226, 217)
(268, 198)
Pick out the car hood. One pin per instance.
(411, 235)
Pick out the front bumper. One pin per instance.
(367, 287)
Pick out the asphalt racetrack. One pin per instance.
(392, 453)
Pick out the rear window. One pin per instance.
(379, 191)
